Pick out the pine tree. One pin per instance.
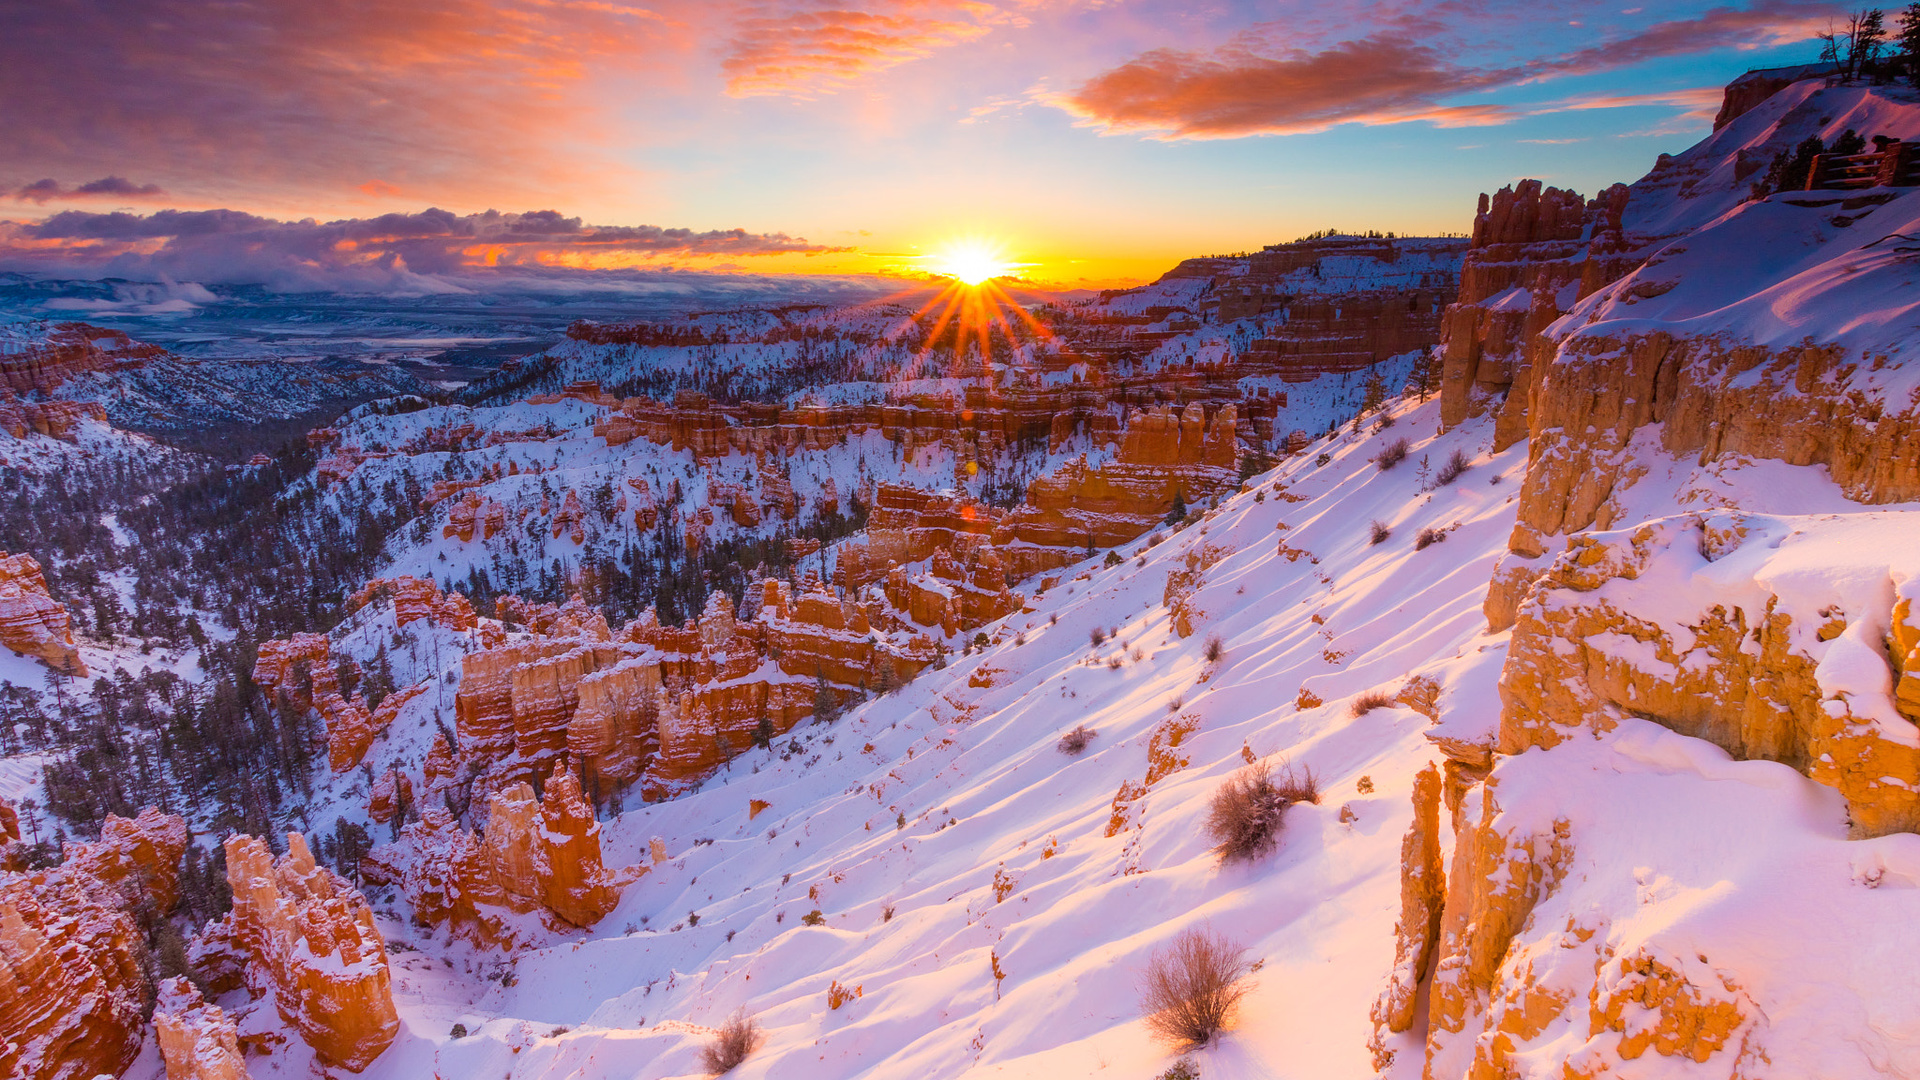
(1179, 512)
(1909, 41)
(1868, 39)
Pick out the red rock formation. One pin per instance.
(474, 513)
(571, 521)
(299, 673)
(32, 623)
(416, 598)
(72, 979)
(311, 943)
(68, 350)
(957, 593)
(54, 419)
(1536, 251)
(197, 1040)
(535, 855)
(392, 794)
(1164, 456)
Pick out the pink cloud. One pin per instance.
(107, 187)
(307, 94)
(229, 246)
(817, 47)
(1391, 76)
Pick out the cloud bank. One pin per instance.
(430, 251)
(107, 187)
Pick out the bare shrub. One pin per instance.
(1379, 532)
(1302, 786)
(1391, 454)
(1371, 700)
(1190, 989)
(739, 1037)
(1428, 538)
(1456, 467)
(1076, 741)
(1215, 648)
(1245, 815)
(1184, 1069)
(1097, 636)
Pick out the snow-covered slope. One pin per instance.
(989, 900)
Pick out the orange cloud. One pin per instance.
(307, 95)
(228, 246)
(820, 47)
(1391, 76)
(1383, 79)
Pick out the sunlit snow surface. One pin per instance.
(1750, 855)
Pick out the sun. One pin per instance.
(971, 263)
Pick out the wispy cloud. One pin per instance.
(802, 49)
(1391, 76)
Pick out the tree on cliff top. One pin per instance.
(1909, 41)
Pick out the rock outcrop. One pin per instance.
(534, 855)
(1422, 899)
(416, 598)
(54, 419)
(73, 985)
(198, 1041)
(661, 705)
(1700, 625)
(32, 623)
(1165, 458)
(65, 351)
(311, 943)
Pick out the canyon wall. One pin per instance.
(73, 983)
(1677, 343)
(66, 350)
(32, 623)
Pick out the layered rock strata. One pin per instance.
(310, 942)
(535, 854)
(33, 623)
(1701, 625)
(73, 983)
(65, 351)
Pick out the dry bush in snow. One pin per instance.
(739, 1037)
(1379, 532)
(1371, 700)
(1076, 741)
(1245, 815)
(1189, 989)
(1456, 466)
(1391, 454)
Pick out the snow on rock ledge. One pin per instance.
(1789, 639)
(312, 944)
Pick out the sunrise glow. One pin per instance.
(971, 262)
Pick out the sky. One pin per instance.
(417, 144)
